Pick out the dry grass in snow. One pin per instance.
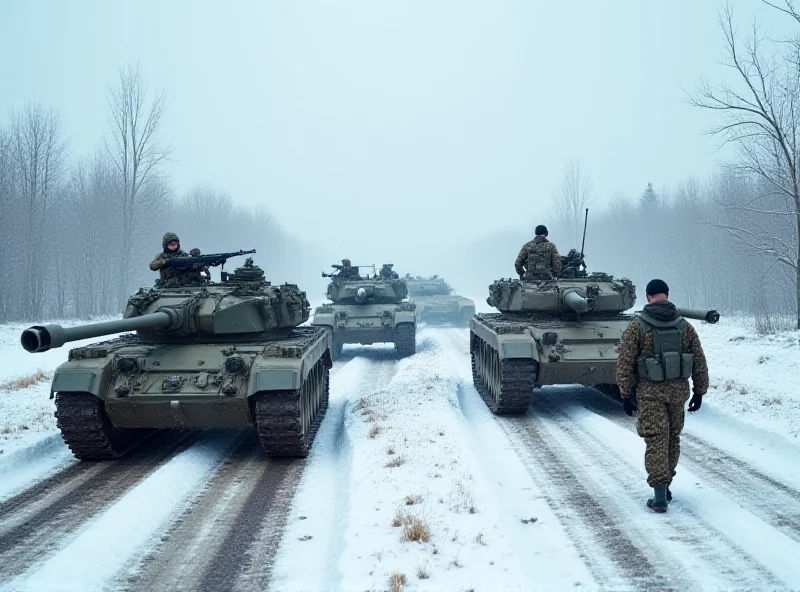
(397, 582)
(26, 381)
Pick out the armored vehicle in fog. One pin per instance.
(205, 354)
(563, 330)
(367, 309)
(436, 303)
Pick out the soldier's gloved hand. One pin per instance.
(629, 405)
(695, 402)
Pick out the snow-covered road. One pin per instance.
(412, 478)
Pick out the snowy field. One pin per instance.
(413, 485)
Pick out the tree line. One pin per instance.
(76, 234)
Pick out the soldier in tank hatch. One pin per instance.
(658, 352)
(347, 270)
(171, 249)
(538, 259)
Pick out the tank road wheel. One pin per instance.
(287, 421)
(506, 386)
(405, 339)
(87, 430)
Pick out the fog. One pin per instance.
(433, 135)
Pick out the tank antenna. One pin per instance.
(583, 242)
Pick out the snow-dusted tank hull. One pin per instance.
(444, 310)
(369, 324)
(205, 356)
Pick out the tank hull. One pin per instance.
(368, 324)
(444, 310)
(513, 354)
(131, 385)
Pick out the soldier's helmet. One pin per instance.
(168, 238)
(194, 252)
(346, 262)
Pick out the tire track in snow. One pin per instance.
(777, 503)
(38, 522)
(513, 488)
(318, 514)
(684, 550)
(549, 441)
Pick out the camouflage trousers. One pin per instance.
(660, 423)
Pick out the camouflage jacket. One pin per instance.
(542, 249)
(632, 345)
(348, 273)
(164, 272)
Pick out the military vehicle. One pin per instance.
(205, 355)
(436, 303)
(367, 310)
(550, 331)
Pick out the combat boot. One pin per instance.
(658, 503)
(669, 495)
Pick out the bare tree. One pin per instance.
(762, 120)
(572, 198)
(39, 152)
(136, 153)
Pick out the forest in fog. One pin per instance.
(77, 231)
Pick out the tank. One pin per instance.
(228, 354)
(436, 303)
(548, 332)
(367, 309)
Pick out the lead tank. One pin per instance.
(209, 355)
(367, 310)
(558, 331)
(436, 303)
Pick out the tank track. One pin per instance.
(405, 341)
(278, 419)
(517, 379)
(88, 432)
(609, 390)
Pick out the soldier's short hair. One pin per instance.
(541, 229)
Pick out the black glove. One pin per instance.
(629, 405)
(695, 403)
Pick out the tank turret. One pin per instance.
(437, 303)
(432, 286)
(243, 307)
(367, 291)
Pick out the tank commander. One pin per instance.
(387, 272)
(171, 249)
(658, 352)
(538, 259)
(347, 271)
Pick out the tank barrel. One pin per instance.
(576, 302)
(41, 338)
(709, 316)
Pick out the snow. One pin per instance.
(116, 536)
(754, 377)
(30, 443)
(488, 529)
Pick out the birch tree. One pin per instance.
(572, 198)
(761, 117)
(39, 153)
(137, 154)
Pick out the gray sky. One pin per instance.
(360, 122)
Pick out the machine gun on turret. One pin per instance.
(201, 261)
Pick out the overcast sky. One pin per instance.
(352, 120)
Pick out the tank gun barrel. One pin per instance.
(577, 302)
(41, 338)
(709, 316)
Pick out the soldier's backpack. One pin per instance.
(669, 359)
(536, 264)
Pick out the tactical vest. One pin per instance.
(536, 264)
(669, 359)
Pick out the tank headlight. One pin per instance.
(550, 338)
(234, 365)
(127, 365)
